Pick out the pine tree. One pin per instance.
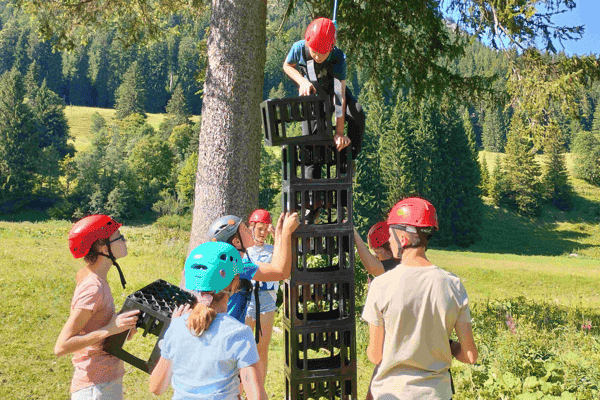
(32, 82)
(596, 122)
(368, 188)
(494, 132)
(50, 121)
(131, 95)
(522, 171)
(177, 106)
(485, 177)
(555, 182)
(586, 151)
(496, 183)
(401, 164)
(18, 143)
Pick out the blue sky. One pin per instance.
(586, 13)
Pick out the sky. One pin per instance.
(586, 13)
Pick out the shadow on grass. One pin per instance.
(505, 232)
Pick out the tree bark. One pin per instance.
(229, 148)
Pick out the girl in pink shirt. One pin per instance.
(98, 375)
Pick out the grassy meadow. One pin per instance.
(534, 287)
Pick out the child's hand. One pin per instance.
(122, 322)
(291, 222)
(180, 310)
(306, 88)
(341, 141)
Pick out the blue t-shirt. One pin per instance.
(238, 302)
(207, 367)
(336, 60)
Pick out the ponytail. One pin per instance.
(202, 316)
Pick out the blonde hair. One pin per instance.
(202, 315)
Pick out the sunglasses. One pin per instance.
(118, 238)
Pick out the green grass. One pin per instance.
(37, 280)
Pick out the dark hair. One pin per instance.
(386, 246)
(92, 255)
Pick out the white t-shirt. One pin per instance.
(263, 254)
(418, 307)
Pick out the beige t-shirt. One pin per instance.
(92, 364)
(418, 307)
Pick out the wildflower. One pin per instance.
(511, 324)
(587, 325)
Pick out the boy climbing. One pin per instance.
(317, 66)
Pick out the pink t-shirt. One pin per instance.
(92, 364)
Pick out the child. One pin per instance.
(233, 230)
(260, 226)
(97, 374)
(204, 351)
(378, 238)
(316, 61)
(412, 311)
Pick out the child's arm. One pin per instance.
(161, 376)
(304, 86)
(465, 349)
(375, 348)
(69, 340)
(340, 140)
(371, 263)
(254, 390)
(281, 264)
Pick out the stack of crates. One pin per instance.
(319, 314)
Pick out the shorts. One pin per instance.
(112, 390)
(267, 303)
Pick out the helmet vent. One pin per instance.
(199, 266)
(223, 257)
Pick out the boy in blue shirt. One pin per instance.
(316, 61)
(233, 230)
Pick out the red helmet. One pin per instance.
(413, 211)
(320, 35)
(379, 235)
(260, 216)
(86, 231)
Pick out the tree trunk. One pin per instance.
(229, 149)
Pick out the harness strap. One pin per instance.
(258, 330)
(337, 84)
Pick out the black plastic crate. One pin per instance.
(318, 305)
(311, 354)
(156, 303)
(276, 113)
(334, 202)
(333, 166)
(327, 388)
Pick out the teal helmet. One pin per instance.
(211, 267)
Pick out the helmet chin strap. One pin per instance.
(114, 261)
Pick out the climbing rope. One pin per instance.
(335, 14)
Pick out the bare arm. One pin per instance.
(465, 349)
(375, 348)
(161, 376)
(281, 264)
(304, 86)
(69, 340)
(340, 140)
(254, 389)
(371, 263)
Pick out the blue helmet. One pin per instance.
(212, 266)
